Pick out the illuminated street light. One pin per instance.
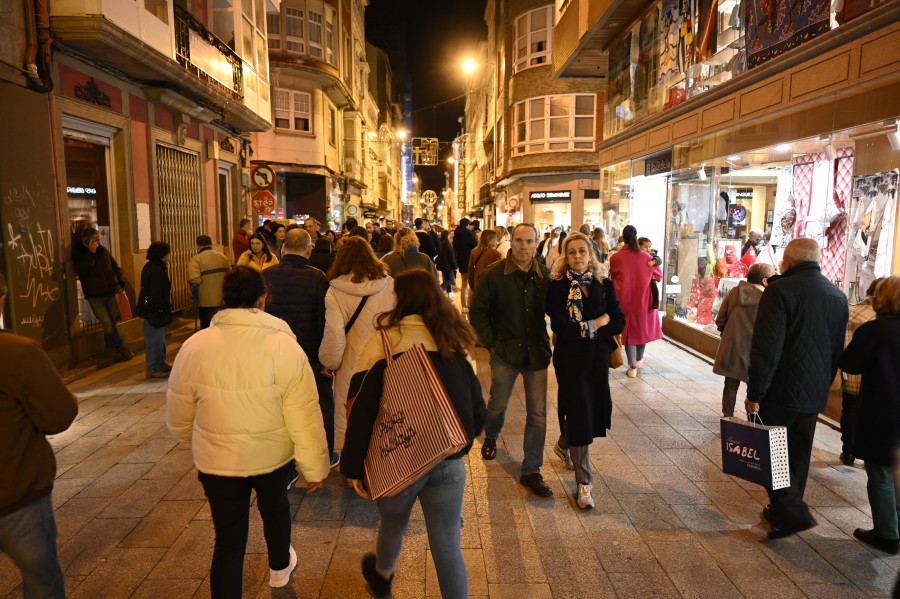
(415, 179)
(451, 160)
(401, 133)
(469, 65)
(372, 135)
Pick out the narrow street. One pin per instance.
(133, 520)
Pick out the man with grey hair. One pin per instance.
(797, 343)
(296, 294)
(756, 240)
(311, 226)
(34, 402)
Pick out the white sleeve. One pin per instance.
(331, 351)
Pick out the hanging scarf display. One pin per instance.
(578, 283)
(785, 213)
(833, 258)
(871, 225)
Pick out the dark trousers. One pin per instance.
(205, 315)
(229, 502)
(849, 408)
(729, 396)
(326, 404)
(788, 508)
(448, 280)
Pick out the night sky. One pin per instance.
(427, 40)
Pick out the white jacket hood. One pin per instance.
(371, 287)
(253, 317)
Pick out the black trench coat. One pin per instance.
(582, 364)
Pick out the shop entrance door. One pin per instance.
(180, 203)
(226, 206)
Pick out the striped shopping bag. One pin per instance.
(417, 425)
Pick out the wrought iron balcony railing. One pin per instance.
(199, 51)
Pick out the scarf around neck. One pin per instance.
(578, 283)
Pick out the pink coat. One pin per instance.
(631, 276)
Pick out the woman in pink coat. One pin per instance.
(631, 270)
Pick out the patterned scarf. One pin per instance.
(578, 283)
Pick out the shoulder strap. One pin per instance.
(386, 343)
(478, 258)
(353, 318)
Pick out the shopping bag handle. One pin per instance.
(758, 419)
(386, 343)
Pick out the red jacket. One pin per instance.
(240, 243)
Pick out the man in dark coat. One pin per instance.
(463, 243)
(296, 294)
(101, 279)
(797, 343)
(426, 243)
(507, 313)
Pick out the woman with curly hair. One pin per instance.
(360, 289)
(584, 315)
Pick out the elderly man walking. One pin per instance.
(206, 270)
(797, 343)
(507, 312)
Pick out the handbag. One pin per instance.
(755, 452)
(124, 306)
(416, 427)
(615, 354)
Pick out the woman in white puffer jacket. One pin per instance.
(242, 394)
(356, 274)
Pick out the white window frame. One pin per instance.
(564, 143)
(294, 16)
(524, 55)
(332, 126)
(330, 37)
(285, 106)
(316, 24)
(273, 30)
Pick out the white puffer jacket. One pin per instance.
(243, 395)
(338, 351)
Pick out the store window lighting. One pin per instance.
(734, 158)
(782, 147)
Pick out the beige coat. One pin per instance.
(207, 268)
(242, 394)
(735, 320)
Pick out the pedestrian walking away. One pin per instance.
(242, 395)
(507, 313)
(101, 279)
(34, 402)
(155, 308)
(483, 256)
(406, 255)
(873, 353)
(446, 264)
(797, 342)
(423, 315)
(585, 316)
(463, 243)
(206, 270)
(296, 294)
(240, 243)
(735, 320)
(360, 288)
(631, 274)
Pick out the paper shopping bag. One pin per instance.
(755, 452)
(124, 306)
(417, 425)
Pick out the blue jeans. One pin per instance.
(107, 310)
(448, 280)
(28, 537)
(155, 342)
(881, 487)
(440, 494)
(503, 377)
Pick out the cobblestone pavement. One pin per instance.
(133, 520)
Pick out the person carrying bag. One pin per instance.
(417, 406)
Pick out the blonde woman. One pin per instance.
(483, 256)
(502, 241)
(599, 236)
(406, 255)
(584, 315)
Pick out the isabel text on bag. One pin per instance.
(755, 453)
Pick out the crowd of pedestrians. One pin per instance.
(297, 333)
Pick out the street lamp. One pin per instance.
(401, 133)
(451, 160)
(469, 65)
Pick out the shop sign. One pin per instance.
(263, 176)
(743, 193)
(369, 214)
(658, 163)
(549, 196)
(263, 203)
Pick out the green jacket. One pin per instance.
(507, 312)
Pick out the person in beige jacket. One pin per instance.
(359, 281)
(242, 394)
(207, 270)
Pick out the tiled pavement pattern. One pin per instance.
(133, 520)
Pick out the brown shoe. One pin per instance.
(157, 375)
(165, 367)
(535, 482)
(124, 353)
(489, 448)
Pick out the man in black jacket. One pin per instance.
(463, 243)
(798, 339)
(507, 313)
(101, 278)
(296, 294)
(426, 243)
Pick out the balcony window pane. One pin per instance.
(262, 56)
(159, 9)
(537, 130)
(247, 8)
(559, 106)
(260, 13)
(584, 127)
(520, 133)
(538, 19)
(223, 27)
(584, 105)
(282, 122)
(558, 145)
(520, 112)
(559, 127)
(536, 107)
(301, 123)
(247, 41)
(293, 30)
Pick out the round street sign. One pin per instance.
(263, 202)
(263, 176)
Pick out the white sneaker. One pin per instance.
(280, 578)
(564, 455)
(632, 372)
(584, 496)
(452, 296)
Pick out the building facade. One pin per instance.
(528, 148)
(132, 118)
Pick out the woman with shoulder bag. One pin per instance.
(154, 307)
(484, 254)
(359, 289)
(585, 316)
(423, 315)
